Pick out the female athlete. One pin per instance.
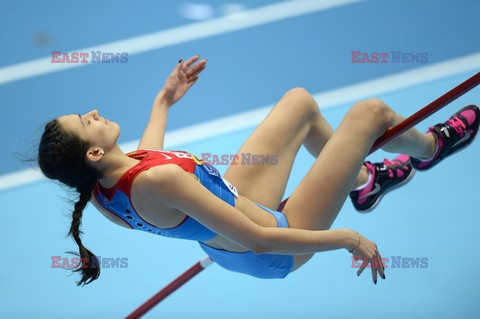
(234, 218)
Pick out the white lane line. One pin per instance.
(156, 40)
(252, 118)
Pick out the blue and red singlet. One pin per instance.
(117, 199)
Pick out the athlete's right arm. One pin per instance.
(170, 185)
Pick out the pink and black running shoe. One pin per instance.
(453, 135)
(384, 177)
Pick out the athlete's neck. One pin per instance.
(113, 165)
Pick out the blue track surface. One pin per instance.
(434, 217)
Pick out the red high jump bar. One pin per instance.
(174, 285)
(389, 135)
(428, 110)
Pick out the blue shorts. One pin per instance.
(266, 266)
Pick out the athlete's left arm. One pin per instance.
(182, 78)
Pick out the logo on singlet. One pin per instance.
(231, 187)
(211, 170)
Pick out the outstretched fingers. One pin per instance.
(363, 266)
(381, 267)
(374, 269)
(376, 266)
(192, 60)
(194, 70)
(191, 69)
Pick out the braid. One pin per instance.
(89, 266)
(61, 156)
(77, 217)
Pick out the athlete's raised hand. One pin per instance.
(182, 78)
(367, 251)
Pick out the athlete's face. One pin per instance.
(97, 131)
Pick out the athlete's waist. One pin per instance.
(256, 214)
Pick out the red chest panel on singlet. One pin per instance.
(149, 159)
(117, 199)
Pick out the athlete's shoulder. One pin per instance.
(158, 176)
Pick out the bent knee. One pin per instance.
(302, 102)
(298, 92)
(375, 112)
(300, 95)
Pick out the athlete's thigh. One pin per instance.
(316, 201)
(280, 135)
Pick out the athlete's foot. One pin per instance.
(453, 135)
(383, 177)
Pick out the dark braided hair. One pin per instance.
(61, 156)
